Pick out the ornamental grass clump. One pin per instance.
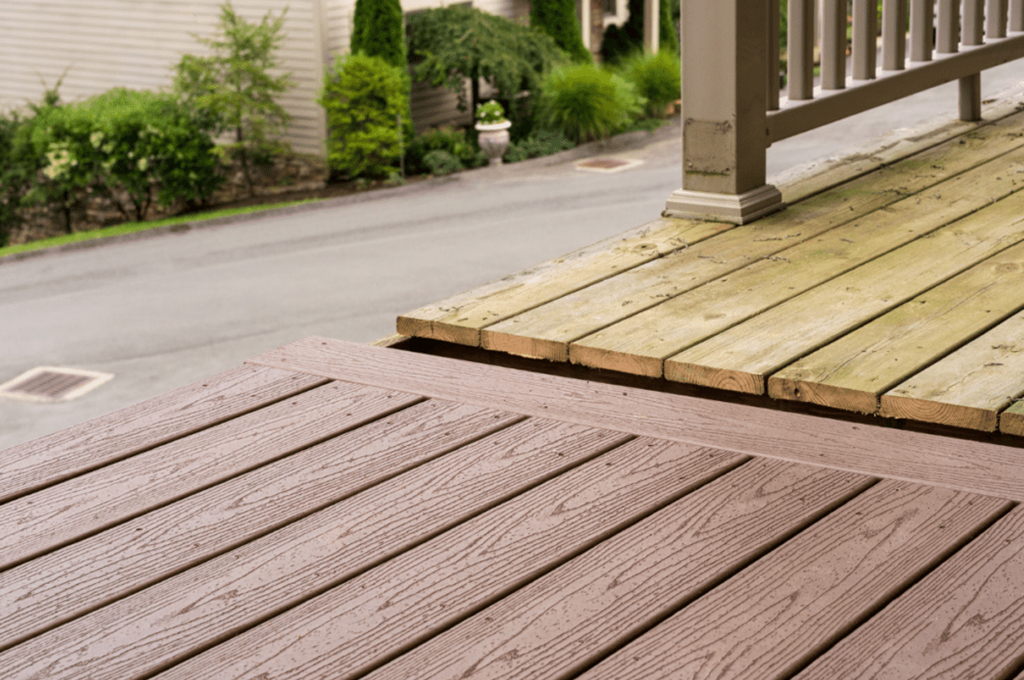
(585, 102)
(657, 79)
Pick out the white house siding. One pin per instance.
(102, 44)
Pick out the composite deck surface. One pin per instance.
(330, 510)
(892, 284)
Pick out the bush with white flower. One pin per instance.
(490, 113)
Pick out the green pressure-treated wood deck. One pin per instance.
(331, 510)
(892, 285)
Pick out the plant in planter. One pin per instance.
(492, 126)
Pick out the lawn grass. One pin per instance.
(132, 227)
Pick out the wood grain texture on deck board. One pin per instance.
(240, 588)
(553, 626)
(66, 583)
(1011, 421)
(773, 617)
(117, 435)
(675, 324)
(884, 452)
(459, 318)
(57, 515)
(963, 620)
(746, 354)
(853, 371)
(969, 387)
(351, 628)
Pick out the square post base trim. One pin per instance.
(734, 208)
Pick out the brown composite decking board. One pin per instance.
(142, 426)
(973, 466)
(964, 620)
(240, 588)
(598, 601)
(114, 563)
(968, 388)
(775, 616)
(852, 220)
(56, 515)
(364, 622)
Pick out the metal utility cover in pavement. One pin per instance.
(49, 384)
(607, 164)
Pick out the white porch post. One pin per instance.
(723, 45)
(652, 15)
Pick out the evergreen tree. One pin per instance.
(557, 18)
(377, 31)
(620, 41)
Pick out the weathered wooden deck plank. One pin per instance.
(963, 620)
(59, 456)
(570, 617)
(363, 622)
(459, 318)
(776, 615)
(965, 465)
(969, 387)
(854, 370)
(1011, 421)
(742, 357)
(640, 343)
(90, 573)
(34, 524)
(239, 589)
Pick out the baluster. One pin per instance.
(894, 35)
(865, 34)
(833, 45)
(974, 23)
(774, 63)
(1017, 15)
(922, 17)
(995, 19)
(948, 38)
(801, 49)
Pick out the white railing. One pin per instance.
(732, 110)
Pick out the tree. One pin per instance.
(557, 18)
(377, 31)
(621, 41)
(458, 42)
(232, 89)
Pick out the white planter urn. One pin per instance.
(493, 139)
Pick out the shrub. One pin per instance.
(657, 79)
(447, 139)
(456, 42)
(132, 147)
(490, 113)
(377, 31)
(439, 162)
(364, 97)
(584, 102)
(232, 90)
(557, 18)
(538, 143)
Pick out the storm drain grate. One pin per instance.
(607, 165)
(49, 384)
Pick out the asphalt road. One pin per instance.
(161, 312)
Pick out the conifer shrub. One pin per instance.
(364, 97)
(585, 102)
(377, 31)
(538, 143)
(657, 79)
(557, 18)
(452, 141)
(620, 42)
